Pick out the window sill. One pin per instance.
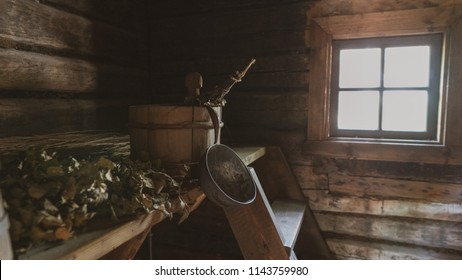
(398, 152)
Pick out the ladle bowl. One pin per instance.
(225, 179)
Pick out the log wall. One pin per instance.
(366, 209)
(70, 65)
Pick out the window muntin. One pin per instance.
(386, 88)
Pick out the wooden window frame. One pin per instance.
(431, 135)
(446, 20)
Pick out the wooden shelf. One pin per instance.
(96, 244)
(250, 154)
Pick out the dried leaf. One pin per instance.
(53, 187)
(70, 188)
(16, 229)
(183, 208)
(161, 198)
(95, 195)
(63, 233)
(17, 192)
(123, 207)
(159, 183)
(69, 220)
(105, 163)
(27, 215)
(145, 202)
(45, 156)
(37, 234)
(55, 171)
(49, 221)
(50, 208)
(81, 216)
(87, 171)
(80, 219)
(73, 165)
(163, 208)
(35, 190)
(108, 176)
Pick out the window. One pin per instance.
(386, 88)
(433, 36)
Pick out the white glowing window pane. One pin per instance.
(407, 66)
(405, 110)
(358, 110)
(359, 68)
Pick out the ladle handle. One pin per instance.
(215, 121)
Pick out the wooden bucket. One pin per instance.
(173, 134)
(6, 252)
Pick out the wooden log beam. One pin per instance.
(350, 249)
(389, 23)
(320, 201)
(63, 31)
(27, 71)
(410, 171)
(393, 188)
(408, 231)
(124, 14)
